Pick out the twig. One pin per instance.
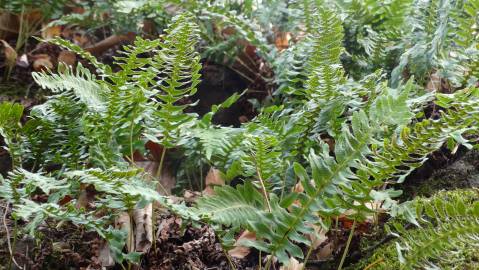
(232, 265)
(373, 263)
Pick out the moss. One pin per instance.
(465, 255)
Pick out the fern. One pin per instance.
(82, 83)
(445, 224)
(179, 63)
(232, 206)
(10, 115)
(91, 122)
(359, 166)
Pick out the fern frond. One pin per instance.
(82, 83)
(179, 66)
(429, 26)
(10, 115)
(233, 206)
(446, 224)
(324, 65)
(327, 175)
(102, 69)
(263, 160)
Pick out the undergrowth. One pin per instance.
(347, 121)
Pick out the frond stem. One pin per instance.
(351, 233)
(265, 193)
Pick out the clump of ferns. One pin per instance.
(376, 144)
(441, 234)
(87, 133)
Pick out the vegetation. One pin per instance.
(363, 94)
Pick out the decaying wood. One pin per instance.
(109, 42)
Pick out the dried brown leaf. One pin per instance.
(318, 237)
(9, 25)
(123, 222)
(293, 264)
(282, 40)
(213, 178)
(68, 58)
(143, 228)
(49, 32)
(9, 53)
(240, 251)
(105, 257)
(42, 62)
(326, 252)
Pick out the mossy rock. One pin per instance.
(463, 173)
(464, 256)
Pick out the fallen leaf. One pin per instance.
(9, 53)
(49, 32)
(155, 150)
(149, 27)
(143, 228)
(9, 24)
(68, 58)
(34, 16)
(106, 260)
(65, 200)
(318, 237)
(85, 199)
(213, 178)
(167, 180)
(42, 62)
(434, 83)
(326, 252)
(123, 222)
(191, 196)
(240, 251)
(282, 40)
(293, 264)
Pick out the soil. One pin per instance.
(68, 247)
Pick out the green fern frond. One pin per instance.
(82, 83)
(103, 69)
(327, 175)
(446, 224)
(429, 25)
(324, 65)
(10, 115)
(263, 160)
(178, 65)
(233, 206)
